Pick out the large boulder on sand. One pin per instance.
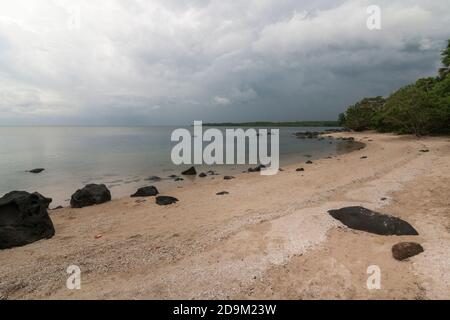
(165, 200)
(24, 219)
(146, 192)
(405, 250)
(363, 219)
(90, 195)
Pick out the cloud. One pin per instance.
(170, 62)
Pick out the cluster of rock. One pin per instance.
(362, 219)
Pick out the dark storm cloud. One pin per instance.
(172, 62)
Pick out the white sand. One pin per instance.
(270, 238)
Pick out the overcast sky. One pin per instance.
(171, 61)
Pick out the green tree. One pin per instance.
(412, 110)
(359, 117)
(446, 55)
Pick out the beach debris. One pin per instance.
(202, 175)
(150, 191)
(228, 178)
(190, 172)
(90, 195)
(309, 162)
(363, 219)
(383, 199)
(300, 170)
(404, 250)
(37, 170)
(165, 200)
(364, 157)
(223, 193)
(24, 219)
(99, 236)
(154, 178)
(257, 169)
(424, 150)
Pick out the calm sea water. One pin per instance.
(120, 157)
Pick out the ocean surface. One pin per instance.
(120, 157)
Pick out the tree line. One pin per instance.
(421, 108)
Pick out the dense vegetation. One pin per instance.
(421, 108)
(277, 124)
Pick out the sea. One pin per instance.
(122, 158)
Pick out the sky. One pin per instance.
(169, 62)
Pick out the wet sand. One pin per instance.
(271, 237)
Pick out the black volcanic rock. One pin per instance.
(165, 200)
(190, 172)
(309, 162)
(363, 219)
(38, 170)
(202, 175)
(150, 191)
(153, 178)
(90, 195)
(223, 193)
(300, 170)
(228, 178)
(405, 250)
(24, 219)
(257, 169)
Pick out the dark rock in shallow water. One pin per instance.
(223, 193)
(300, 170)
(90, 195)
(179, 179)
(190, 172)
(257, 169)
(38, 170)
(165, 200)
(150, 191)
(405, 250)
(309, 162)
(202, 175)
(24, 219)
(363, 219)
(173, 176)
(154, 178)
(228, 178)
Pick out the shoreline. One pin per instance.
(271, 237)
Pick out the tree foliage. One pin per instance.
(359, 116)
(420, 108)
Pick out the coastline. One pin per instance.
(271, 237)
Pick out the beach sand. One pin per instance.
(270, 238)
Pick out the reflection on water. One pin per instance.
(121, 157)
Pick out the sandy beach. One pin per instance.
(269, 238)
